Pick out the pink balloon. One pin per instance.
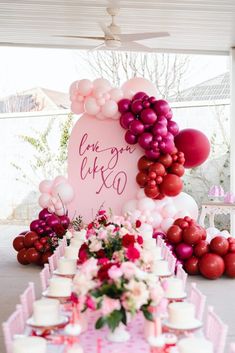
(84, 87)
(44, 200)
(51, 209)
(64, 191)
(116, 94)
(138, 84)
(109, 109)
(45, 186)
(77, 107)
(58, 205)
(73, 88)
(91, 106)
(59, 179)
(103, 83)
(100, 101)
(60, 212)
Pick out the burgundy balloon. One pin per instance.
(140, 95)
(136, 106)
(124, 105)
(152, 154)
(161, 107)
(43, 223)
(159, 129)
(65, 221)
(43, 214)
(167, 146)
(24, 232)
(136, 127)
(47, 229)
(52, 221)
(126, 119)
(145, 140)
(173, 127)
(40, 231)
(148, 116)
(184, 251)
(130, 138)
(34, 225)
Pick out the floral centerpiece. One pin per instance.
(116, 290)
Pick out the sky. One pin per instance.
(24, 68)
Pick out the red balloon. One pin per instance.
(231, 247)
(177, 169)
(144, 163)
(191, 266)
(219, 245)
(184, 251)
(166, 160)
(171, 185)
(201, 248)
(192, 235)
(151, 192)
(174, 234)
(141, 179)
(195, 146)
(45, 256)
(30, 238)
(22, 257)
(231, 240)
(18, 243)
(229, 261)
(211, 266)
(181, 223)
(33, 256)
(158, 168)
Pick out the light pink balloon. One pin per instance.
(98, 92)
(157, 219)
(64, 191)
(80, 98)
(169, 211)
(91, 106)
(101, 101)
(73, 88)
(116, 94)
(85, 87)
(51, 209)
(109, 109)
(45, 186)
(59, 179)
(139, 84)
(44, 200)
(166, 223)
(116, 116)
(100, 116)
(60, 212)
(102, 82)
(77, 107)
(58, 205)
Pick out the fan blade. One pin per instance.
(82, 37)
(106, 30)
(129, 46)
(141, 36)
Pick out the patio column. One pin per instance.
(232, 133)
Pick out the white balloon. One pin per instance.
(157, 219)
(166, 223)
(211, 233)
(159, 204)
(225, 234)
(146, 230)
(140, 194)
(129, 207)
(182, 214)
(168, 211)
(146, 204)
(135, 215)
(184, 201)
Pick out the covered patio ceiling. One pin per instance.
(195, 26)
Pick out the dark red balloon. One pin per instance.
(158, 168)
(181, 223)
(211, 266)
(22, 257)
(177, 169)
(29, 239)
(43, 214)
(144, 163)
(192, 235)
(201, 248)
(174, 234)
(34, 225)
(231, 247)
(166, 160)
(191, 266)
(219, 245)
(52, 221)
(24, 232)
(229, 261)
(171, 185)
(33, 256)
(141, 179)
(195, 146)
(45, 257)
(18, 243)
(151, 192)
(64, 221)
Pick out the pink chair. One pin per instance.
(160, 241)
(165, 251)
(171, 261)
(215, 330)
(12, 327)
(45, 276)
(198, 299)
(181, 274)
(232, 348)
(52, 262)
(27, 299)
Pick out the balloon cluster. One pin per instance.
(148, 123)
(162, 177)
(55, 195)
(160, 214)
(97, 98)
(188, 241)
(37, 244)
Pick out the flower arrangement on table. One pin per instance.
(116, 290)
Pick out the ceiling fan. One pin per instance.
(113, 38)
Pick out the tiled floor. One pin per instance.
(14, 278)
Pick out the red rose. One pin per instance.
(132, 253)
(103, 261)
(140, 240)
(103, 271)
(83, 253)
(100, 254)
(137, 223)
(128, 240)
(59, 230)
(90, 226)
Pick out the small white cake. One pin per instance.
(161, 268)
(181, 314)
(174, 288)
(29, 345)
(76, 348)
(81, 234)
(149, 243)
(67, 266)
(157, 252)
(195, 345)
(76, 242)
(60, 287)
(71, 252)
(46, 312)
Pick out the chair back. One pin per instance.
(181, 274)
(27, 299)
(171, 261)
(12, 327)
(198, 299)
(215, 330)
(45, 276)
(52, 262)
(232, 347)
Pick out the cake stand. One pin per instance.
(62, 300)
(179, 330)
(57, 273)
(42, 328)
(177, 299)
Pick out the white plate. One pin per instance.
(195, 324)
(181, 296)
(62, 321)
(57, 273)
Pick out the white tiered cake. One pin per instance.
(46, 312)
(182, 315)
(161, 268)
(195, 345)
(67, 266)
(59, 287)
(29, 345)
(174, 288)
(71, 252)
